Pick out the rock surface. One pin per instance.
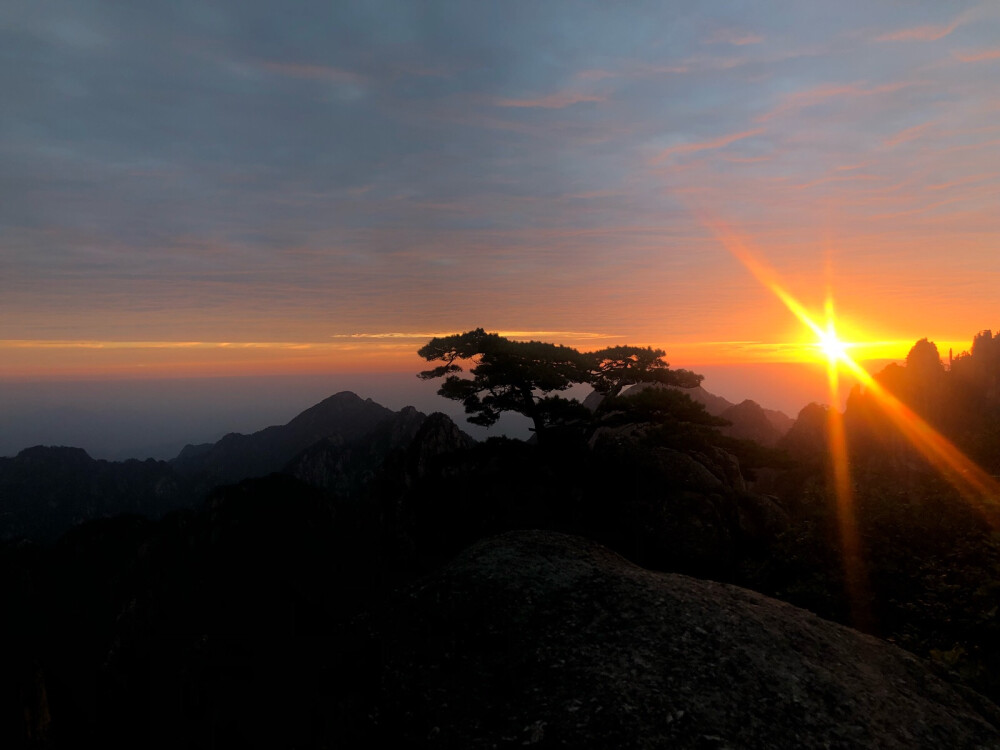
(537, 638)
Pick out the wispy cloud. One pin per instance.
(720, 142)
(747, 159)
(596, 74)
(970, 180)
(799, 100)
(736, 37)
(976, 56)
(312, 72)
(552, 101)
(909, 134)
(922, 33)
(845, 178)
(507, 334)
(97, 344)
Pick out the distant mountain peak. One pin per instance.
(62, 453)
(344, 416)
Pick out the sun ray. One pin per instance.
(967, 477)
(977, 487)
(855, 576)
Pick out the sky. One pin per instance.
(212, 189)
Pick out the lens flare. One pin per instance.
(829, 342)
(977, 487)
(832, 347)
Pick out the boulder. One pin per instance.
(542, 639)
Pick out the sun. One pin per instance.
(830, 344)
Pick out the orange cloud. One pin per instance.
(977, 56)
(921, 33)
(720, 142)
(799, 100)
(846, 178)
(971, 179)
(908, 134)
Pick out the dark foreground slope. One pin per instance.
(531, 638)
(542, 639)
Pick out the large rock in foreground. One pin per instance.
(537, 638)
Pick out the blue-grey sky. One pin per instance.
(282, 177)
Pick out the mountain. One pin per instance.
(345, 467)
(717, 406)
(344, 416)
(340, 444)
(46, 490)
(748, 421)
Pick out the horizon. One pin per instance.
(155, 417)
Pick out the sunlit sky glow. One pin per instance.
(201, 187)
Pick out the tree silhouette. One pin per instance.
(656, 406)
(519, 376)
(507, 375)
(617, 366)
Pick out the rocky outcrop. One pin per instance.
(536, 638)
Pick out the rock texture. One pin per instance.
(537, 638)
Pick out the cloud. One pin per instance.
(736, 37)
(922, 33)
(799, 100)
(976, 56)
(909, 134)
(720, 142)
(559, 100)
(971, 179)
(595, 74)
(828, 180)
(312, 72)
(505, 334)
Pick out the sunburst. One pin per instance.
(978, 488)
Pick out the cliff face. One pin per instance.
(536, 637)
